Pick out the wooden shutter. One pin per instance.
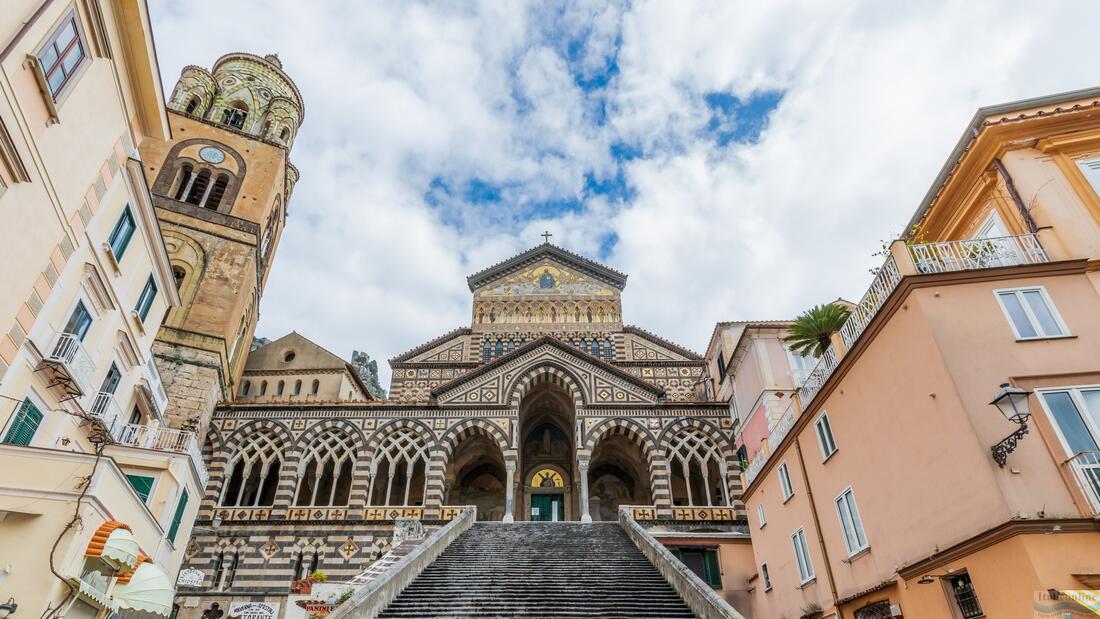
(713, 574)
(178, 517)
(25, 425)
(142, 484)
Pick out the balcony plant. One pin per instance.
(809, 333)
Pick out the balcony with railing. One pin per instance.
(69, 366)
(104, 408)
(971, 254)
(914, 260)
(1086, 469)
(164, 439)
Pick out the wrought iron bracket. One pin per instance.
(1008, 445)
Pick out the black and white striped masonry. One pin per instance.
(540, 569)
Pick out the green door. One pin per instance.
(547, 507)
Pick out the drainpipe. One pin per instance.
(1011, 186)
(817, 522)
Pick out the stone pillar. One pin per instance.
(509, 491)
(582, 466)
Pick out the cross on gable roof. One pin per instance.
(576, 261)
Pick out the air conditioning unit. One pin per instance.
(895, 610)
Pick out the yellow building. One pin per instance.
(96, 494)
(221, 186)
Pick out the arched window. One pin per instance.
(398, 473)
(499, 348)
(264, 129)
(235, 115)
(608, 351)
(225, 569)
(263, 388)
(324, 476)
(178, 275)
(284, 135)
(486, 351)
(698, 470)
(184, 183)
(246, 387)
(254, 471)
(297, 387)
(191, 105)
(316, 386)
(594, 348)
(199, 185)
(280, 387)
(216, 192)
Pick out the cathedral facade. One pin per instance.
(545, 408)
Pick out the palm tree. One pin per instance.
(809, 334)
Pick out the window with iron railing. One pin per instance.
(966, 598)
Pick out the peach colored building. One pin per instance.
(96, 494)
(894, 488)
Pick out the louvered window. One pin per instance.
(177, 518)
(142, 484)
(25, 424)
(702, 561)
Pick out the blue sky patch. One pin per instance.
(742, 121)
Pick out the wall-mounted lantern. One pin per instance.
(1015, 404)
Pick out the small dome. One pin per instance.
(274, 59)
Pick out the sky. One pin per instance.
(738, 160)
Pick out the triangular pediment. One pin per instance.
(292, 352)
(595, 382)
(583, 275)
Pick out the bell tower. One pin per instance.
(221, 186)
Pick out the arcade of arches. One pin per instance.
(547, 427)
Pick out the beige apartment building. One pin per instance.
(941, 459)
(96, 493)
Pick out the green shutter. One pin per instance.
(177, 517)
(713, 574)
(142, 484)
(25, 424)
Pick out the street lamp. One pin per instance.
(1015, 404)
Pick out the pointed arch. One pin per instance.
(469, 427)
(622, 426)
(541, 372)
(703, 456)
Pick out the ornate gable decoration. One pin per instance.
(521, 272)
(546, 277)
(642, 345)
(595, 382)
(447, 348)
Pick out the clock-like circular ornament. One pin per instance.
(212, 155)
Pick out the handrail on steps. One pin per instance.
(371, 600)
(698, 595)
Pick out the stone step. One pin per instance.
(551, 570)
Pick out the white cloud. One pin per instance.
(401, 93)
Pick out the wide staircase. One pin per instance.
(541, 569)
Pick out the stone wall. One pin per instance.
(192, 379)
